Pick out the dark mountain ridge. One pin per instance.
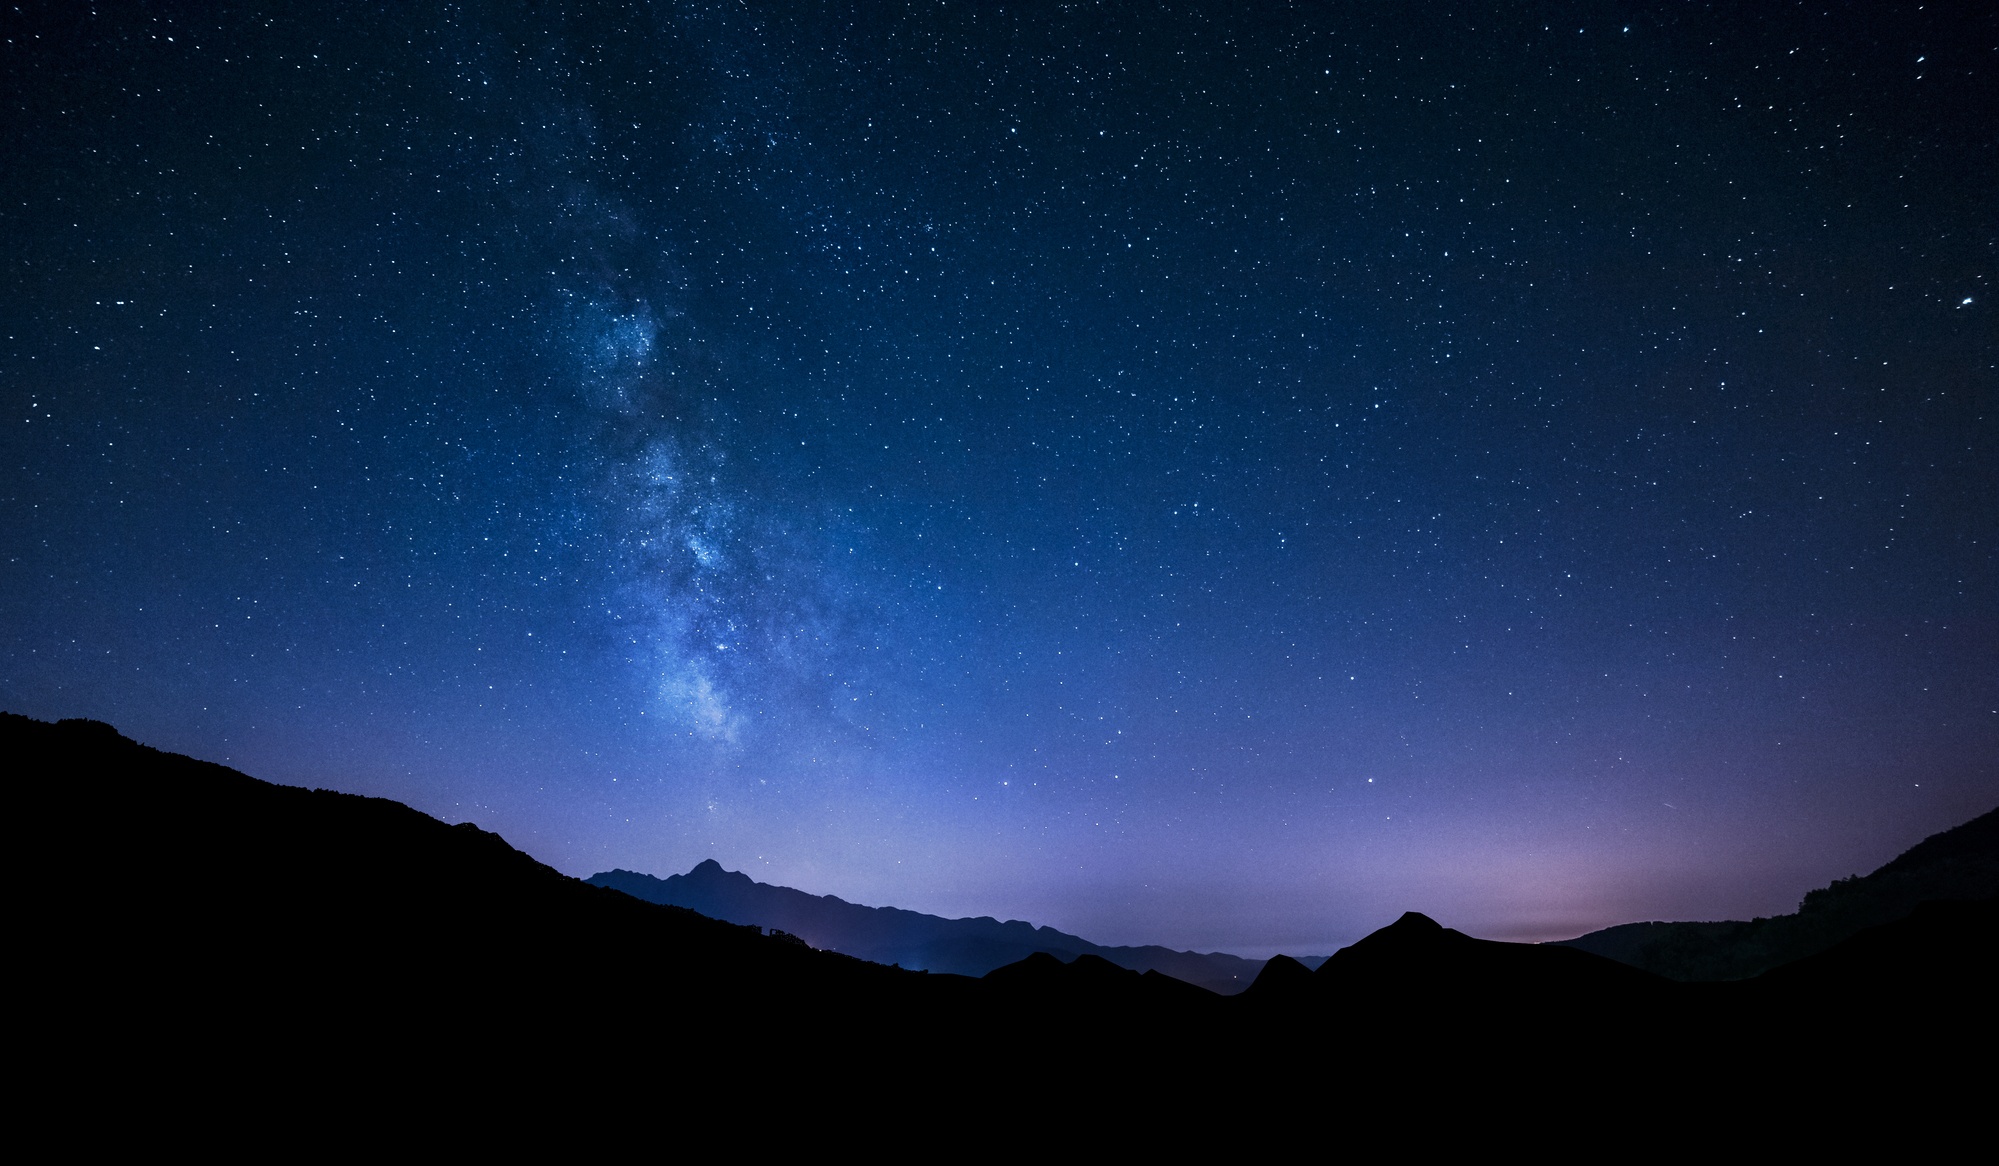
(210, 955)
(1956, 865)
(910, 939)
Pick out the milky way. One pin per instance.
(1188, 476)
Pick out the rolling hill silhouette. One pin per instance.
(890, 935)
(1957, 865)
(211, 955)
(193, 906)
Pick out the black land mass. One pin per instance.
(1958, 865)
(208, 955)
(910, 939)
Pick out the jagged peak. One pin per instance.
(711, 872)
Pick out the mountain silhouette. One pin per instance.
(1281, 978)
(910, 939)
(187, 906)
(208, 954)
(1957, 865)
(1418, 981)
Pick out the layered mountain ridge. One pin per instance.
(305, 959)
(910, 939)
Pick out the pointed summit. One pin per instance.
(1281, 977)
(1416, 921)
(910, 939)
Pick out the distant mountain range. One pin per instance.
(205, 955)
(909, 939)
(1957, 865)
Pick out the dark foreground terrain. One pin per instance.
(216, 957)
(1957, 865)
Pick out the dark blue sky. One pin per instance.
(1196, 477)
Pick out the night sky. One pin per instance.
(1205, 477)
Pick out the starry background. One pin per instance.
(1190, 475)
